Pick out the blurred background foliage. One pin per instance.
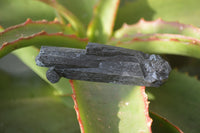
(28, 104)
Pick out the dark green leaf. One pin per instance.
(13, 12)
(159, 37)
(161, 125)
(38, 33)
(73, 20)
(82, 9)
(28, 105)
(184, 11)
(178, 101)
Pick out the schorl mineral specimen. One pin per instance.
(104, 63)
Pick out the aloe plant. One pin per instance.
(104, 107)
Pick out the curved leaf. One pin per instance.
(103, 107)
(30, 28)
(161, 125)
(178, 101)
(38, 33)
(13, 12)
(28, 105)
(83, 10)
(131, 11)
(73, 20)
(158, 26)
(101, 27)
(171, 10)
(159, 37)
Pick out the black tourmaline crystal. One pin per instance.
(104, 63)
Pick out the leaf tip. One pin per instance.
(56, 20)
(160, 20)
(28, 21)
(142, 20)
(125, 25)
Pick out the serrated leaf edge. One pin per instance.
(43, 33)
(160, 37)
(159, 20)
(29, 21)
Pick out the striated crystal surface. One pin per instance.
(104, 63)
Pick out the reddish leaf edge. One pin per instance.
(74, 20)
(178, 129)
(42, 33)
(76, 107)
(29, 21)
(95, 10)
(47, 34)
(115, 14)
(144, 97)
(146, 108)
(174, 24)
(158, 37)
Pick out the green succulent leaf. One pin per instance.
(83, 10)
(162, 125)
(104, 107)
(73, 20)
(101, 27)
(29, 105)
(177, 10)
(178, 101)
(159, 37)
(38, 33)
(158, 26)
(14, 12)
(131, 11)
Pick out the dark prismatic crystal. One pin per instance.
(104, 63)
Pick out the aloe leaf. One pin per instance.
(30, 28)
(73, 20)
(51, 36)
(178, 101)
(132, 10)
(161, 125)
(83, 10)
(101, 26)
(103, 107)
(159, 37)
(38, 33)
(28, 104)
(14, 12)
(177, 10)
(158, 26)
